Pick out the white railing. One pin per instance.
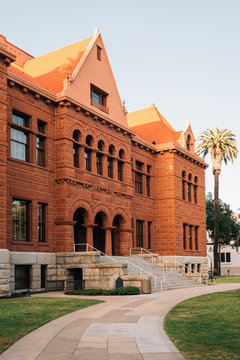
(162, 279)
(94, 249)
(177, 265)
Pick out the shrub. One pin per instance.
(128, 290)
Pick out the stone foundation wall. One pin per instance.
(4, 273)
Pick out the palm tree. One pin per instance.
(222, 145)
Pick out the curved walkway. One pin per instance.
(122, 328)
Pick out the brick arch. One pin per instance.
(92, 134)
(76, 126)
(85, 205)
(122, 212)
(105, 209)
(103, 138)
(120, 146)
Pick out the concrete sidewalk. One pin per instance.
(122, 328)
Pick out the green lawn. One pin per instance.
(19, 316)
(207, 327)
(226, 279)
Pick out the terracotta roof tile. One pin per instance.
(51, 69)
(152, 126)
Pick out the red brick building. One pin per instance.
(76, 168)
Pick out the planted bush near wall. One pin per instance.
(128, 290)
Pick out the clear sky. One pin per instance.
(182, 55)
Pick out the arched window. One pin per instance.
(121, 154)
(76, 138)
(184, 185)
(76, 135)
(111, 149)
(100, 145)
(89, 140)
(188, 143)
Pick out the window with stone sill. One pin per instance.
(41, 222)
(99, 99)
(20, 136)
(20, 220)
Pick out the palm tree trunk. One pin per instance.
(216, 222)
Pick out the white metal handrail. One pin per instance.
(92, 247)
(189, 271)
(162, 279)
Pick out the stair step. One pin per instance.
(173, 279)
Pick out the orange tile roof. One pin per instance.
(51, 69)
(152, 126)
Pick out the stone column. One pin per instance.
(89, 234)
(104, 166)
(81, 158)
(108, 239)
(115, 169)
(93, 160)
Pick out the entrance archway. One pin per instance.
(79, 229)
(99, 232)
(116, 235)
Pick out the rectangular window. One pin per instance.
(19, 144)
(190, 236)
(149, 235)
(41, 222)
(183, 190)
(148, 185)
(22, 277)
(228, 257)
(87, 160)
(222, 257)
(21, 120)
(138, 183)
(120, 170)
(196, 237)
(19, 137)
(110, 167)
(139, 233)
(184, 236)
(76, 155)
(139, 166)
(99, 53)
(149, 169)
(99, 98)
(195, 194)
(189, 187)
(99, 160)
(43, 276)
(20, 220)
(40, 150)
(41, 127)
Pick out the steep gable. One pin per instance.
(95, 73)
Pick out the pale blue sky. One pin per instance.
(182, 55)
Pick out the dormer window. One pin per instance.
(99, 53)
(188, 142)
(99, 99)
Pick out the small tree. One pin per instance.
(229, 225)
(222, 146)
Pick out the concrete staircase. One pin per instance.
(173, 279)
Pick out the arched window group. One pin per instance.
(189, 187)
(107, 162)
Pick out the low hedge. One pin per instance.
(128, 290)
